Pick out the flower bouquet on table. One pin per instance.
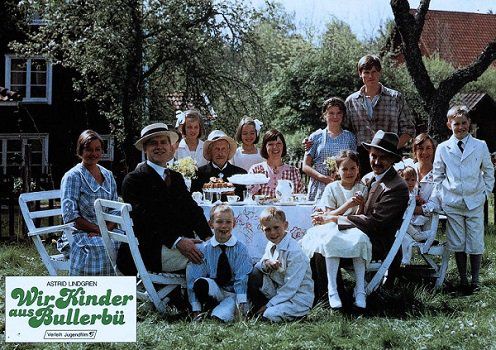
(187, 167)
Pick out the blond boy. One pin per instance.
(464, 177)
(219, 282)
(281, 285)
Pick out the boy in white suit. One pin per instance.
(464, 176)
(281, 285)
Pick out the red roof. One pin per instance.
(458, 37)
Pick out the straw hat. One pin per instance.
(156, 129)
(215, 136)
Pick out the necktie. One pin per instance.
(167, 178)
(460, 145)
(224, 272)
(372, 181)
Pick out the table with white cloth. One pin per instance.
(248, 230)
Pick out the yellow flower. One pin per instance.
(186, 166)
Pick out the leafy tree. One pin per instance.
(129, 54)
(435, 99)
(298, 90)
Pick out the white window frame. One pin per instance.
(28, 98)
(24, 137)
(108, 153)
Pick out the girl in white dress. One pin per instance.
(343, 197)
(247, 134)
(190, 125)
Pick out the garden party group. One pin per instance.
(360, 196)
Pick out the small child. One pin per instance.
(281, 285)
(415, 232)
(464, 177)
(220, 281)
(248, 134)
(343, 197)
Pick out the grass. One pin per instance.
(410, 317)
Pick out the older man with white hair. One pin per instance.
(218, 149)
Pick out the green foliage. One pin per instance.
(296, 94)
(485, 83)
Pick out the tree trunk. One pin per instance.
(132, 89)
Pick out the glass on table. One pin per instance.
(209, 197)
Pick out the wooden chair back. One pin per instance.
(54, 263)
(124, 233)
(381, 267)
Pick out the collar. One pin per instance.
(230, 242)
(216, 167)
(464, 140)
(159, 169)
(91, 182)
(362, 90)
(283, 244)
(379, 177)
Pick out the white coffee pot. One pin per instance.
(284, 190)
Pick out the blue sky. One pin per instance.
(366, 16)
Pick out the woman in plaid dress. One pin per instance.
(325, 143)
(80, 187)
(273, 149)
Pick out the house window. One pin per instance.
(14, 149)
(31, 77)
(108, 148)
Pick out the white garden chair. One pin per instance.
(381, 267)
(56, 262)
(124, 233)
(434, 254)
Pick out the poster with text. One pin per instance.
(70, 309)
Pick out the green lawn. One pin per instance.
(410, 317)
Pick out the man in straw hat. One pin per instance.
(383, 211)
(217, 150)
(165, 216)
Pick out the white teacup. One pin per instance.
(197, 197)
(259, 198)
(232, 199)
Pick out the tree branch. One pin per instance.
(463, 76)
(406, 24)
(420, 17)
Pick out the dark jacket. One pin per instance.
(383, 212)
(160, 214)
(207, 171)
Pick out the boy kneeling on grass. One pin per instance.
(219, 283)
(281, 285)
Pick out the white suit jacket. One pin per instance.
(466, 177)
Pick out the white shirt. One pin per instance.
(159, 169)
(245, 160)
(183, 151)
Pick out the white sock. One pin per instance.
(332, 265)
(359, 267)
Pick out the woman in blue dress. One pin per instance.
(325, 143)
(80, 187)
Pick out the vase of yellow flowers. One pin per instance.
(187, 167)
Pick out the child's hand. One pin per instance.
(420, 200)
(272, 265)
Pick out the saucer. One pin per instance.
(236, 203)
(286, 203)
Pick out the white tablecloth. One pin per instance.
(248, 230)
